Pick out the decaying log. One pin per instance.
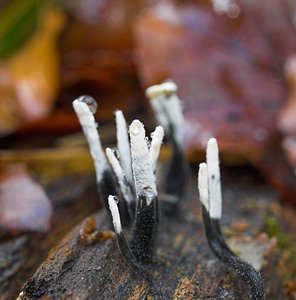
(21, 255)
(184, 265)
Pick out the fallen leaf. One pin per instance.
(29, 80)
(24, 206)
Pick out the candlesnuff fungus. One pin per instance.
(209, 186)
(133, 186)
(128, 185)
(168, 111)
(132, 261)
(124, 184)
(145, 218)
(85, 107)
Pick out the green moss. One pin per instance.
(274, 230)
(285, 241)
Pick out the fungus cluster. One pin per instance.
(127, 181)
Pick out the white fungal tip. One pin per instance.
(212, 149)
(158, 133)
(214, 182)
(112, 200)
(118, 113)
(84, 112)
(157, 137)
(203, 185)
(89, 101)
(114, 164)
(113, 161)
(120, 120)
(166, 88)
(141, 162)
(123, 145)
(136, 128)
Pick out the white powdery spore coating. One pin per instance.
(115, 164)
(203, 185)
(156, 104)
(119, 173)
(167, 108)
(215, 194)
(141, 163)
(161, 89)
(123, 145)
(115, 214)
(157, 94)
(157, 137)
(89, 128)
(174, 110)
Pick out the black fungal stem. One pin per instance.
(210, 194)
(130, 258)
(246, 271)
(145, 226)
(145, 230)
(175, 180)
(124, 185)
(139, 270)
(85, 108)
(168, 112)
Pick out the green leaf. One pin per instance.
(17, 21)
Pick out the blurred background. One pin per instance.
(234, 62)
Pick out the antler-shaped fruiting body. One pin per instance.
(128, 184)
(209, 186)
(145, 226)
(127, 253)
(85, 108)
(144, 213)
(168, 111)
(133, 188)
(141, 248)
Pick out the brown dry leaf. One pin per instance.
(229, 72)
(24, 205)
(29, 80)
(226, 69)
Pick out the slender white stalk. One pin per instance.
(115, 214)
(119, 173)
(168, 110)
(123, 145)
(141, 163)
(89, 127)
(215, 194)
(203, 185)
(157, 137)
(155, 93)
(174, 111)
(114, 163)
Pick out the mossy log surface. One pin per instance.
(183, 264)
